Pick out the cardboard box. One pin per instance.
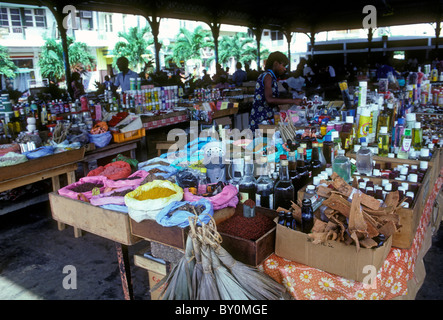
(333, 257)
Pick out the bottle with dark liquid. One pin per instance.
(293, 174)
(317, 166)
(265, 186)
(248, 185)
(307, 216)
(302, 169)
(283, 190)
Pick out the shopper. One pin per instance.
(122, 79)
(239, 75)
(77, 85)
(266, 95)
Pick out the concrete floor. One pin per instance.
(33, 254)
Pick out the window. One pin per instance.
(108, 22)
(4, 21)
(84, 21)
(11, 17)
(40, 18)
(276, 35)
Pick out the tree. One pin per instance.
(51, 58)
(189, 45)
(7, 67)
(135, 47)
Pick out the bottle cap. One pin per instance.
(413, 177)
(402, 177)
(417, 125)
(366, 112)
(306, 202)
(384, 182)
(376, 172)
(356, 147)
(310, 188)
(362, 140)
(334, 134)
(431, 146)
(316, 180)
(283, 157)
(349, 119)
(410, 194)
(329, 171)
(405, 185)
(328, 137)
(404, 170)
(362, 185)
(384, 130)
(284, 162)
(401, 121)
(341, 152)
(414, 166)
(405, 205)
(300, 150)
(423, 165)
(364, 144)
(410, 117)
(424, 152)
(388, 187)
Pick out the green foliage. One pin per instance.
(189, 45)
(51, 58)
(7, 67)
(134, 46)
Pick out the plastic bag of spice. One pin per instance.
(83, 187)
(100, 140)
(116, 196)
(146, 201)
(226, 198)
(175, 213)
(164, 171)
(134, 179)
(114, 170)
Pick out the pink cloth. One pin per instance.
(126, 182)
(68, 192)
(227, 198)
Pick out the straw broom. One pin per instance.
(259, 285)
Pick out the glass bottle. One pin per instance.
(248, 185)
(399, 130)
(307, 216)
(316, 163)
(383, 121)
(284, 190)
(417, 136)
(328, 149)
(364, 159)
(265, 186)
(289, 220)
(383, 142)
(281, 218)
(342, 166)
(405, 145)
(347, 135)
(321, 156)
(302, 169)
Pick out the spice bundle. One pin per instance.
(352, 217)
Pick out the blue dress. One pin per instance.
(260, 109)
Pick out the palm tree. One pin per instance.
(7, 67)
(135, 47)
(240, 47)
(189, 45)
(51, 58)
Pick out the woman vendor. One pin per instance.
(266, 95)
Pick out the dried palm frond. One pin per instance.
(207, 289)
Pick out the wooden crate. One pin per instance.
(41, 164)
(156, 272)
(247, 251)
(171, 236)
(108, 224)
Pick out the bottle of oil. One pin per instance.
(293, 173)
(405, 145)
(302, 169)
(383, 142)
(283, 190)
(417, 136)
(265, 186)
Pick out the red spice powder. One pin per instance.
(250, 203)
(246, 228)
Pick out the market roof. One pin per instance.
(293, 16)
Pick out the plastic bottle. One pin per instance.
(410, 120)
(417, 136)
(405, 145)
(248, 185)
(363, 123)
(342, 166)
(364, 159)
(434, 74)
(399, 130)
(383, 142)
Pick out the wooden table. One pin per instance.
(110, 150)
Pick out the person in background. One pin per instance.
(77, 85)
(266, 95)
(122, 79)
(107, 83)
(239, 75)
(206, 77)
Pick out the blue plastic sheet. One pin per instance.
(39, 152)
(101, 140)
(180, 217)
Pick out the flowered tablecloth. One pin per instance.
(305, 283)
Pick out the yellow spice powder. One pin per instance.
(155, 193)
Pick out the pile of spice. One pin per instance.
(247, 228)
(120, 193)
(155, 193)
(190, 208)
(85, 187)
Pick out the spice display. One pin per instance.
(247, 228)
(198, 210)
(155, 193)
(120, 193)
(85, 187)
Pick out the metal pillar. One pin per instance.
(154, 22)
